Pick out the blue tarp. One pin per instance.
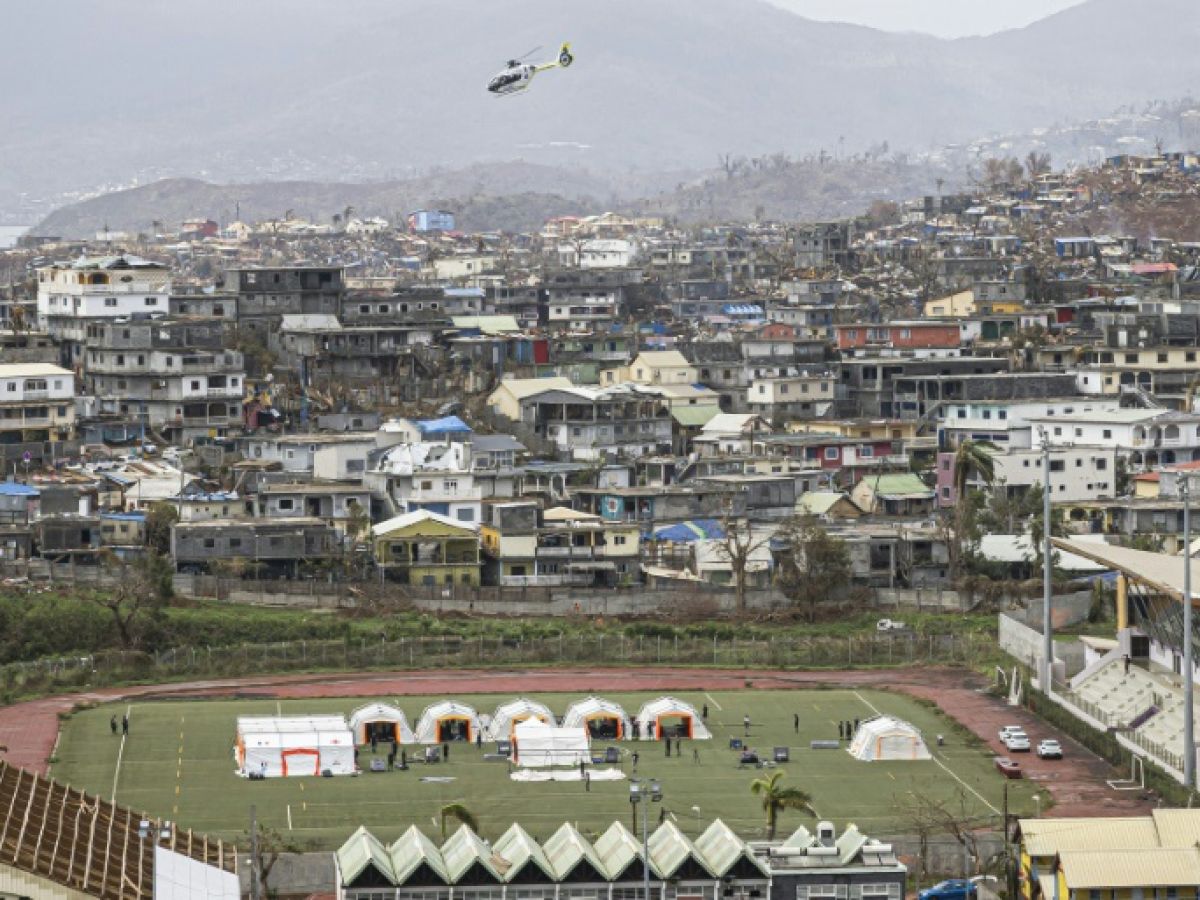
(16, 489)
(692, 530)
(742, 309)
(445, 425)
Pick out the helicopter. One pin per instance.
(518, 74)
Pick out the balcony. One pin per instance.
(434, 495)
(571, 552)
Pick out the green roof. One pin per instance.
(717, 850)
(694, 416)
(487, 324)
(360, 850)
(904, 484)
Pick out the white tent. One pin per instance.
(287, 746)
(887, 738)
(671, 716)
(447, 721)
(381, 722)
(509, 715)
(603, 719)
(537, 745)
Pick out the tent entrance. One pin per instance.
(382, 732)
(675, 725)
(300, 762)
(604, 727)
(453, 728)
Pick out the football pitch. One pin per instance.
(177, 763)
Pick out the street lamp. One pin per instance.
(1047, 634)
(1189, 737)
(650, 792)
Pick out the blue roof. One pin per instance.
(16, 489)
(692, 530)
(444, 425)
(462, 292)
(125, 517)
(742, 309)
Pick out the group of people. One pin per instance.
(112, 724)
(846, 729)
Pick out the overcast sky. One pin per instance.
(944, 18)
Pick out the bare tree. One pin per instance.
(739, 546)
(957, 817)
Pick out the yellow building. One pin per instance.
(425, 548)
(951, 306)
(1116, 858)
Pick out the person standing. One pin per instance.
(796, 722)
(667, 743)
(704, 712)
(746, 724)
(125, 724)
(635, 760)
(112, 723)
(446, 752)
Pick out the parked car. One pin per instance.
(954, 889)
(1008, 768)
(1017, 742)
(1049, 749)
(1007, 728)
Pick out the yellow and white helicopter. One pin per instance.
(517, 74)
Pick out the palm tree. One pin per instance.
(775, 799)
(973, 458)
(460, 813)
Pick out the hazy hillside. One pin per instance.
(368, 89)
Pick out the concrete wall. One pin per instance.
(1025, 644)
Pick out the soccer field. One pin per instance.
(177, 763)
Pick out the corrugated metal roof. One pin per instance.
(1177, 827)
(1161, 867)
(618, 849)
(360, 850)
(567, 848)
(721, 849)
(1046, 837)
(410, 850)
(670, 849)
(518, 848)
(464, 850)
(693, 416)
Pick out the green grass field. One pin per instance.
(178, 763)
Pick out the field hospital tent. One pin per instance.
(509, 715)
(887, 738)
(669, 716)
(380, 722)
(287, 746)
(603, 719)
(447, 721)
(538, 745)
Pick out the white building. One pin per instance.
(437, 477)
(37, 404)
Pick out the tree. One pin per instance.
(817, 568)
(159, 519)
(954, 816)
(775, 799)
(459, 812)
(136, 600)
(972, 459)
(270, 845)
(740, 547)
(1037, 164)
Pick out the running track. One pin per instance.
(29, 730)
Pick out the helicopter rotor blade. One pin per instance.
(530, 53)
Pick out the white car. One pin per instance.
(1017, 742)
(1008, 729)
(1049, 749)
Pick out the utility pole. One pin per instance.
(1047, 634)
(1189, 737)
(255, 893)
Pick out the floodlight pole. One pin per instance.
(1189, 737)
(255, 894)
(645, 793)
(1047, 634)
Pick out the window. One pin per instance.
(1162, 357)
(1002, 414)
(1057, 465)
(466, 515)
(831, 452)
(235, 543)
(866, 452)
(449, 484)
(287, 503)
(1078, 432)
(1057, 431)
(987, 413)
(110, 301)
(152, 301)
(1079, 463)
(961, 413)
(1107, 433)
(1101, 465)
(195, 385)
(12, 387)
(209, 543)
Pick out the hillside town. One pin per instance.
(611, 402)
(623, 416)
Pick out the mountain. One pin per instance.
(516, 196)
(97, 94)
